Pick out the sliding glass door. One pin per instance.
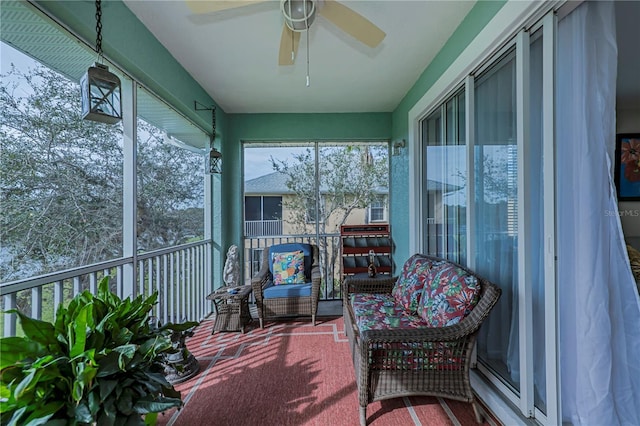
(487, 201)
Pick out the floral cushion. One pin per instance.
(408, 288)
(449, 297)
(381, 312)
(288, 268)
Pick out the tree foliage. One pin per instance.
(349, 177)
(61, 180)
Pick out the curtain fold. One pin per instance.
(598, 304)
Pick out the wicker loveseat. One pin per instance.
(414, 335)
(291, 297)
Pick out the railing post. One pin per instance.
(129, 190)
(36, 302)
(9, 319)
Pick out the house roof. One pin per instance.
(276, 184)
(271, 184)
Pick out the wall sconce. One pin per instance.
(213, 161)
(398, 145)
(100, 88)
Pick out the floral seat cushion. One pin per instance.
(381, 312)
(450, 295)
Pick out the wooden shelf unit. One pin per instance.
(355, 243)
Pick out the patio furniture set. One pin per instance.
(409, 335)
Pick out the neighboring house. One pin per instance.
(266, 213)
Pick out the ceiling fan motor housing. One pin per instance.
(298, 14)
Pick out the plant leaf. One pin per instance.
(155, 405)
(151, 419)
(13, 421)
(39, 331)
(106, 387)
(79, 330)
(14, 349)
(24, 384)
(41, 415)
(82, 413)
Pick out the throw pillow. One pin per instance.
(449, 297)
(288, 268)
(408, 288)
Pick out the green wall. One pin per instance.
(284, 127)
(473, 23)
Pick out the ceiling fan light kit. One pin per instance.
(298, 14)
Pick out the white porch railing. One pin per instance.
(180, 275)
(257, 228)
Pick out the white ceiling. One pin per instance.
(233, 54)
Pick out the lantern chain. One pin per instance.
(99, 27)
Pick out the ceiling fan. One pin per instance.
(298, 17)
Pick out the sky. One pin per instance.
(257, 161)
(10, 55)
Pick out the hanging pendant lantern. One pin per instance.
(100, 88)
(100, 91)
(214, 162)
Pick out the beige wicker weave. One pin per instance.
(421, 361)
(286, 306)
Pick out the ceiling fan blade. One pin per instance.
(201, 6)
(352, 23)
(288, 43)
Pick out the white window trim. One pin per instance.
(385, 210)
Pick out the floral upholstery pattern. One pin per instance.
(288, 268)
(408, 288)
(449, 297)
(380, 312)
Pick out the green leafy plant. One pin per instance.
(100, 363)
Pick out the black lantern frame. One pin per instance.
(100, 91)
(100, 88)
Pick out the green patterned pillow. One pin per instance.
(288, 268)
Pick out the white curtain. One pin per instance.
(599, 305)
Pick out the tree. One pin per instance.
(61, 180)
(350, 177)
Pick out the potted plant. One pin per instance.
(100, 362)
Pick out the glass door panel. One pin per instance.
(496, 230)
(536, 219)
(444, 185)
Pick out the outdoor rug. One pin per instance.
(291, 373)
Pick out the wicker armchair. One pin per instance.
(287, 300)
(421, 361)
